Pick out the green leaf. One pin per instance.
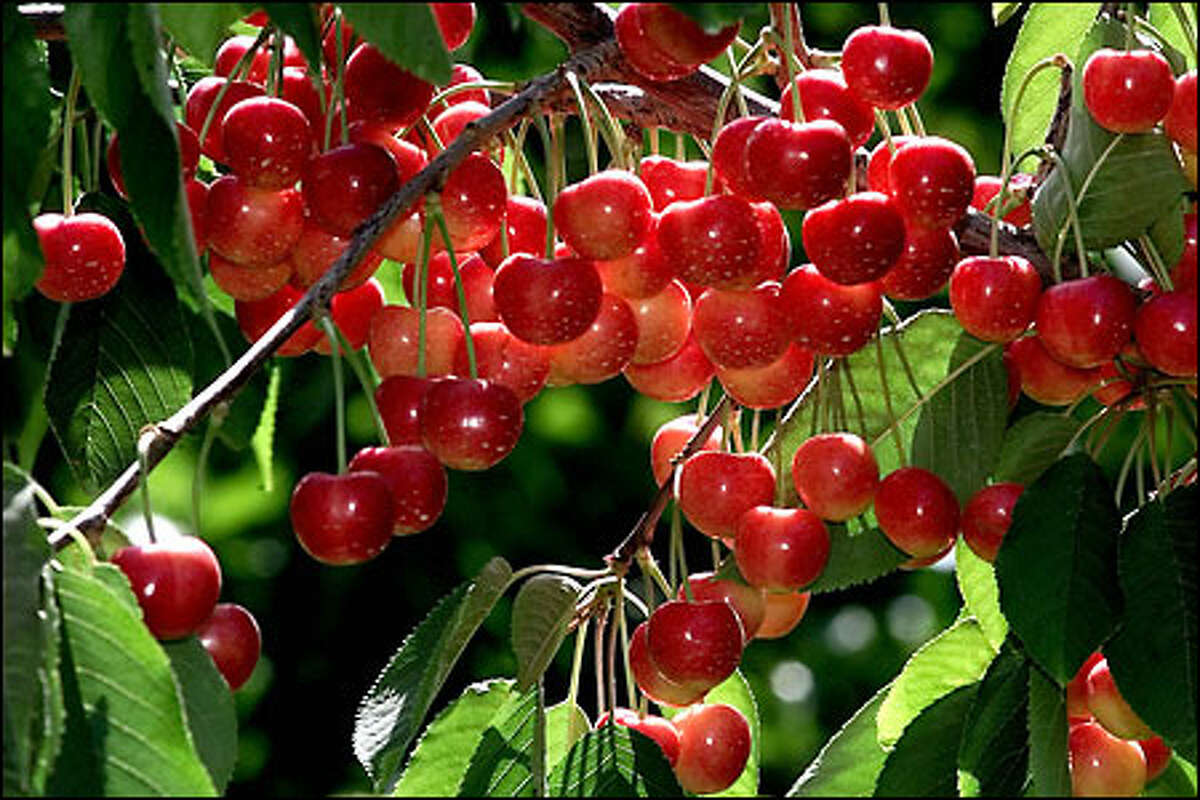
(25, 551)
(199, 28)
(994, 756)
(977, 584)
(1167, 23)
(1003, 12)
(850, 761)
(956, 657)
(1139, 165)
(1032, 445)
(540, 614)
(614, 761)
(135, 724)
(48, 735)
(1153, 655)
(299, 21)
(960, 429)
(392, 710)
(122, 361)
(208, 708)
(1177, 780)
(1048, 772)
(1057, 570)
(923, 762)
(262, 442)
(1168, 236)
(440, 759)
(502, 763)
(407, 34)
(566, 723)
(735, 691)
(857, 559)
(1048, 28)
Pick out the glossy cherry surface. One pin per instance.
(84, 255)
(233, 640)
(827, 317)
(470, 424)
(547, 301)
(715, 489)
(714, 745)
(415, 480)
(835, 475)
(885, 66)
(696, 645)
(1127, 91)
(342, 519)
(176, 582)
(986, 517)
(1085, 323)
(856, 239)
(798, 165)
(780, 549)
(995, 299)
(917, 511)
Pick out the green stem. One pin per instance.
(894, 426)
(611, 131)
(1162, 275)
(548, 147)
(623, 629)
(917, 123)
(433, 206)
(585, 119)
(1072, 204)
(240, 66)
(144, 463)
(339, 390)
(68, 143)
(275, 67)
(339, 85)
(367, 379)
(735, 78)
(420, 281)
(504, 87)
(885, 18)
(577, 664)
(677, 540)
(650, 567)
(210, 433)
(862, 417)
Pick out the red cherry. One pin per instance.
(798, 166)
(602, 351)
(1114, 387)
(409, 158)
(454, 21)
(738, 330)
(995, 299)
(197, 197)
(1180, 122)
(643, 54)
(1085, 323)
(1046, 379)
(1158, 755)
(526, 222)
(1103, 765)
(232, 639)
(772, 385)
(503, 358)
(451, 122)
(856, 239)
(84, 254)
(748, 602)
(380, 91)
(394, 338)
(783, 613)
(933, 181)
(465, 73)
(715, 489)
(253, 227)
(714, 241)
(674, 379)
(836, 475)
(176, 582)
(547, 301)
(1020, 184)
(248, 283)
(670, 439)
(329, 42)
(650, 680)
(473, 202)
(297, 88)
(1165, 327)
(661, 730)
(663, 323)
(916, 511)
(1110, 708)
(440, 290)
(924, 265)
(780, 549)
(714, 746)
(201, 98)
(696, 645)
(824, 95)
(776, 251)
(927, 561)
(470, 424)
(315, 252)
(605, 216)
(352, 311)
(887, 67)
(1127, 91)
(345, 185)
(729, 156)
(880, 163)
(829, 318)
(232, 50)
(986, 517)
(415, 480)
(678, 35)
(1183, 274)
(640, 274)
(398, 399)
(669, 180)
(267, 142)
(1077, 710)
(256, 317)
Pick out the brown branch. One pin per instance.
(974, 233)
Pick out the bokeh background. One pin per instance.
(576, 483)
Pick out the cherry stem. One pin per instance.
(1130, 13)
(905, 128)
(504, 87)
(623, 629)
(1185, 24)
(433, 205)
(367, 379)
(818, 396)
(242, 64)
(777, 460)
(339, 389)
(201, 470)
(548, 148)
(890, 311)
(561, 569)
(650, 568)
(585, 119)
(598, 659)
(576, 668)
(610, 130)
(755, 421)
(1151, 424)
(419, 289)
(518, 145)
(894, 425)
(653, 137)
(716, 554)
(339, 84)
(275, 68)
(915, 115)
(1162, 275)
(718, 123)
(144, 461)
(680, 554)
(885, 18)
(735, 80)
(862, 417)
(1073, 207)
(68, 143)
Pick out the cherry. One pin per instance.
(451, 122)
(1180, 122)
(477, 280)
(1158, 756)
(748, 602)
(880, 163)
(986, 517)
(783, 613)
(738, 330)
(605, 216)
(836, 475)
(780, 549)
(1102, 764)
(525, 219)
(189, 156)
(248, 283)
(253, 227)
(729, 156)
(829, 318)
(465, 73)
(669, 180)
(410, 158)
(1076, 694)
(345, 185)
(197, 198)
(1110, 709)
(201, 98)
(933, 181)
(398, 399)
(714, 241)
(1085, 322)
(1046, 379)
(176, 582)
(995, 299)
(856, 239)
(470, 424)
(776, 251)
(602, 351)
(670, 439)
(1127, 91)
(395, 334)
(643, 54)
(317, 249)
(547, 301)
(927, 561)
(84, 254)
(503, 358)
(663, 323)
(1114, 387)
(650, 680)
(640, 274)
(256, 317)
(473, 202)
(696, 645)
(772, 385)
(887, 67)
(352, 312)
(1165, 327)
(714, 489)
(916, 511)
(232, 639)
(1183, 274)
(925, 264)
(714, 746)
(661, 730)
(297, 88)
(267, 142)
(674, 379)
(414, 479)
(824, 95)
(798, 166)
(233, 48)
(454, 21)
(329, 42)
(342, 519)
(1019, 184)
(680, 36)
(379, 91)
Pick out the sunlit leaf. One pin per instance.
(199, 27)
(850, 761)
(855, 560)
(922, 764)
(614, 761)
(262, 441)
(977, 584)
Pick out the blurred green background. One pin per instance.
(576, 483)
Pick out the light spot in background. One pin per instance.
(910, 619)
(850, 630)
(566, 415)
(266, 558)
(134, 525)
(792, 681)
